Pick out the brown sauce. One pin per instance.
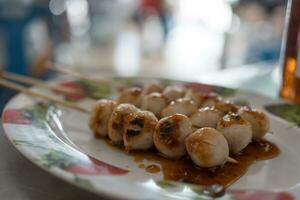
(184, 169)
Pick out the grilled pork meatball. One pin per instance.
(173, 92)
(195, 96)
(210, 99)
(259, 121)
(225, 107)
(139, 129)
(100, 115)
(236, 130)
(154, 102)
(205, 117)
(116, 121)
(180, 106)
(207, 147)
(170, 133)
(152, 87)
(130, 95)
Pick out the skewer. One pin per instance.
(62, 70)
(232, 160)
(36, 82)
(25, 90)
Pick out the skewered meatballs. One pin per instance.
(130, 95)
(173, 92)
(100, 116)
(259, 121)
(139, 129)
(116, 121)
(207, 147)
(236, 130)
(154, 102)
(205, 117)
(180, 106)
(170, 133)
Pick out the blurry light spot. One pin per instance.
(214, 13)
(57, 7)
(127, 53)
(77, 8)
(77, 13)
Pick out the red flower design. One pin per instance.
(14, 116)
(260, 195)
(76, 87)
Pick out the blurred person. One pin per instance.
(160, 8)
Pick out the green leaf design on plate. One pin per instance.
(55, 158)
(38, 114)
(225, 92)
(27, 143)
(285, 111)
(83, 182)
(95, 90)
(200, 192)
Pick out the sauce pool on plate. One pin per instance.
(184, 170)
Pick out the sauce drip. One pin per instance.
(185, 170)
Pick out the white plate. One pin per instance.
(59, 140)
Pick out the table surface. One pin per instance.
(21, 179)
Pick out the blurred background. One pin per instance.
(233, 43)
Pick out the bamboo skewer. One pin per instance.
(81, 76)
(25, 90)
(36, 82)
(232, 160)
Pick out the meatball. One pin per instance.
(197, 97)
(259, 121)
(236, 130)
(100, 115)
(205, 117)
(210, 99)
(139, 129)
(154, 102)
(152, 87)
(225, 107)
(207, 147)
(173, 92)
(180, 106)
(170, 133)
(116, 121)
(130, 95)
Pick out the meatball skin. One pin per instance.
(210, 99)
(225, 107)
(259, 121)
(116, 122)
(180, 106)
(173, 92)
(154, 102)
(170, 133)
(205, 117)
(130, 95)
(100, 115)
(236, 130)
(207, 147)
(139, 129)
